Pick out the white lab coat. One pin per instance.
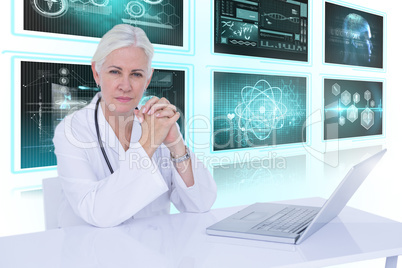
(138, 187)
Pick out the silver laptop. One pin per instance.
(289, 223)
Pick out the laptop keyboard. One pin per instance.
(288, 220)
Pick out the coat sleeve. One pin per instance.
(198, 198)
(108, 201)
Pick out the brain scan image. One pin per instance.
(358, 45)
(258, 110)
(353, 37)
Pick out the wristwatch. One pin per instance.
(181, 158)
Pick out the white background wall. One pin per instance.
(20, 195)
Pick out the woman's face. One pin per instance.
(123, 79)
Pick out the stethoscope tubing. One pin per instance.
(99, 138)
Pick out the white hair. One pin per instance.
(122, 35)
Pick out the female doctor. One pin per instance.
(118, 162)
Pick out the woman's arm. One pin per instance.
(158, 117)
(201, 195)
(99, 198)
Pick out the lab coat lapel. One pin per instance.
(107, 134)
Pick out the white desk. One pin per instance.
(179, 240)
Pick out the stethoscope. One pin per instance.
(99, 138)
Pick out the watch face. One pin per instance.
(180, 158)
(50, 8)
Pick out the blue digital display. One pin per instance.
(162, 20)
(262, 28)
(353, 37)
(253, 110)
(352, 108)
(50, 91)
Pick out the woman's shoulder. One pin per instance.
(79, 118)
(79, 123)
(77, 129)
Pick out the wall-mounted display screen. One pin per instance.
(262, 28)
(353, 37)
(162, 20)
(50, 91)
(352, 108)
(254, 110)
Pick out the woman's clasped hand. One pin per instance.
(158, 123)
